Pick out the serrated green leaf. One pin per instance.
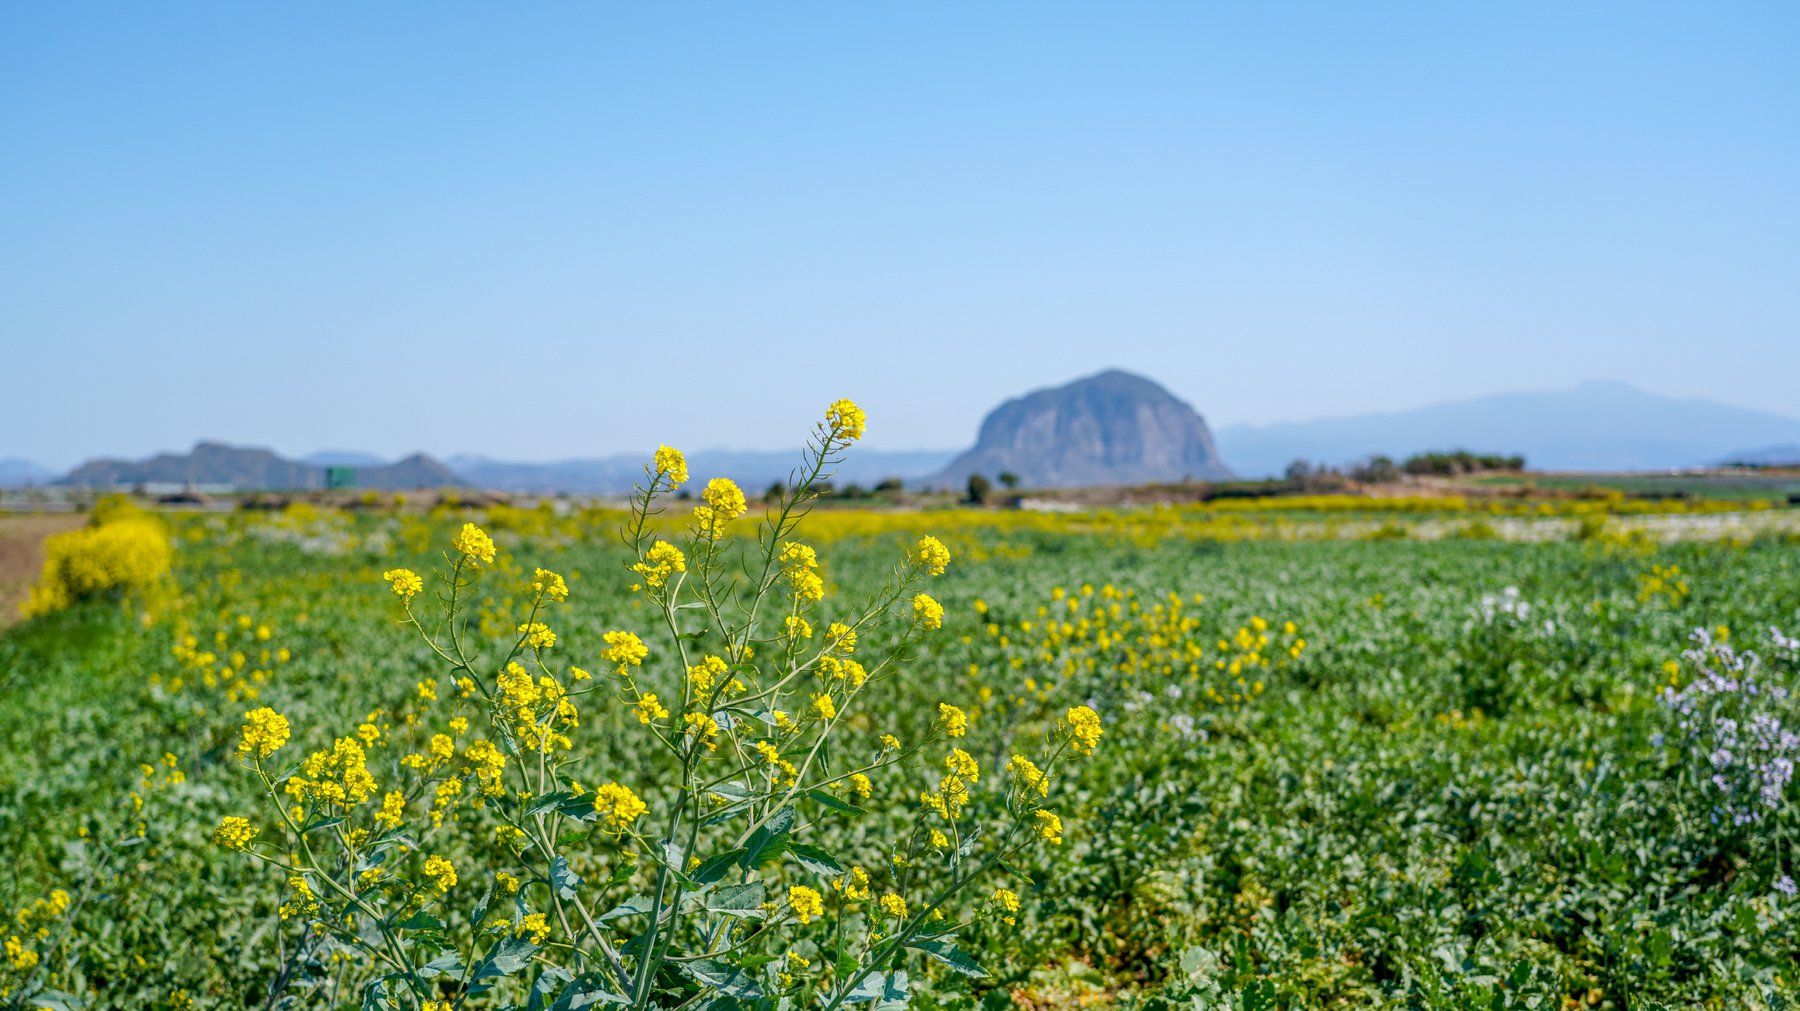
(724, 978)
(743, 900)
(815, 859)
(834, 802)
(564, 880)
(950, 955)
(715, 868)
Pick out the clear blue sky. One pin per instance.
(541, 231)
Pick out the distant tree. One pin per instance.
(1461, 461)
(1009, 479)
(1376, 469)
(979, 488)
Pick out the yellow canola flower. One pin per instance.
(846, 420)
(660, 562)
(649, 710)
(550, 585)
(19, 957)
(625, 650)
(534, 926)
(927, 612)
(805, 902)
(725, 498)
(474, 544)
(441, 872)
(617, 805)
(669, 462)
(406, 583)
(537, 635)
(1084, 729)
(933, 557)
(1026, 772)
(234, 833)
(265, 731)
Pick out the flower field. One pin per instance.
(709, 753)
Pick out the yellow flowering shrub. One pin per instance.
(121, 550)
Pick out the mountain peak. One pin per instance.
(1111, 428)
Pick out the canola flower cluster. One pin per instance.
(122, 550)
(1151, 650)
(485, 772)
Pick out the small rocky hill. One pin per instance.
(216, 464)
(1114, 428)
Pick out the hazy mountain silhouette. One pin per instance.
(1595, 426)
(218, 464)
(1114, 428)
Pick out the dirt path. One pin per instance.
(22, 555)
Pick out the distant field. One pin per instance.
(1713, 486)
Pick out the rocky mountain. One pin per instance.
(1114, 428)
(216, 464)
(1595, 426)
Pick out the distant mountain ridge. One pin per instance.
(1114, 428)
(753, 469)
(1601, 426)
(216, 464)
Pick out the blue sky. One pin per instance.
(561, 230)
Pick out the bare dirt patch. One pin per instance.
(22, 556)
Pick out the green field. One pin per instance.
(1776, 486)
(1333, 773)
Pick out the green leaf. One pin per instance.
(447, 963)
(552, 977)
(833, 801)
(715, 868)
(743, 900)
(586, 991)
(506, 958)
(767, 843)
(375, 994)
(723, 978)
(637, 905)
(815, 859)
(420, 920)
(950, 955)
(894, 994)
(1260, 996)
(550, 800)
(564, 879)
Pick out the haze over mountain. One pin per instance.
(1594, 426)
(17, 473)
(1114, 428)
(752, 469)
